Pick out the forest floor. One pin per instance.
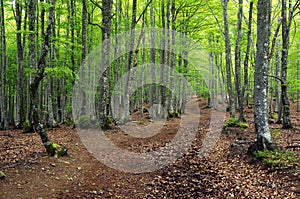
(227, 172)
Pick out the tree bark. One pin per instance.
(3, 101)
(160, 93)
(298, 65)
(286, 121)
(153, 63)
(246, 63)
(103, 104)
(238, 57)
(172, 61)
(83, 51)
(34, 84)
(20, 112)
(261, 79)
(277, 72)
(228, 60)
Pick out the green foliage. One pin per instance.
(69, 122)
(52, 149)
(63, 152)
(83, 122)
(278, 158)
(276, 132)
(26, 126)
(273, 116)
(234, 122)
(59, 72)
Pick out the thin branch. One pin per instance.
(212, 11)
(93, 24)
(96, 4)
(145, 9)
(281, 81)
(274, 40)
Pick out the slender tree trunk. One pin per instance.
(117, 68)
(160, 94)
(153, 64)
(3, 101)
(36, 79)
(286, 121)
(298, 101)
(246, 63)
(277, 72)
(83, 51)
(32, 54)
(105, 76)
(173, 60)
(20, 112)
(51, 120)
(228, 61)
(238, 56)
(72, 26)
(261, 80)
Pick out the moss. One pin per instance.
(234, 122)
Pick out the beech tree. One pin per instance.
(3, 58)
(231, 99)
(286, 29)
(261, 75)
(36, 79)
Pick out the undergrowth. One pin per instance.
(278, 158)
(234, 122)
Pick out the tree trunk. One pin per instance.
(298, 65)
(3, 101)
(172, 61)
(286, 121)
(20, 112)
(246, 63)
(238, 56)
(153, 64)
(160, 93)
(228, 61)
(103, 104)
(277, 72)
(36, 79)
(261, 80)
(83, 51)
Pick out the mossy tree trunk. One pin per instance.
(34, 85)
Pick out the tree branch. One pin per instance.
(274, 40)
(143, 11)
(96, 4)
(281, 81)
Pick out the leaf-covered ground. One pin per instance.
(228, 172)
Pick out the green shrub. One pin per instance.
(234, 122)
(83, 122)
(278, 158)
(26, 126)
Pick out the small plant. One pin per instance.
(278, 158)
(69, 122)
(273, 116)
(276, 132)
(234, 122)
(26, 126)
(83, 122)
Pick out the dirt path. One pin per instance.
(225, 173)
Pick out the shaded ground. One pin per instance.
(226, 173)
